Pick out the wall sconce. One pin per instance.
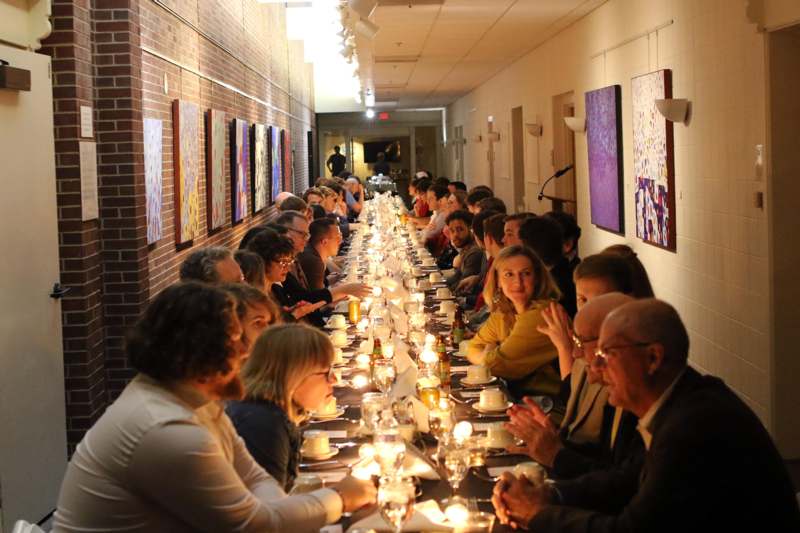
(674, 109)
(534, 129)
(477, 138)
(493, 136)
(576, 124)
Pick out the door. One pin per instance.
(518, 159)
(33, 447)
(564, 153)
(459, 152)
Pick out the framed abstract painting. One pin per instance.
(215, 169)
(653, 161)
(259, 167)
(604, 140)
(153, 176)
(186, 154)
(286, 150)
(275, 161)
(240, 168)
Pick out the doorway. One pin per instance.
(564, 154)
(518, 159)
(783, 189)
(458, 140)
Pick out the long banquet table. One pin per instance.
(477, 484)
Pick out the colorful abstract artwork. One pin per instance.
(186, 153)
(153, 176)
(275, 161)
(215, 169)
(240, 167)
(288, 170)
(653, 161)
(604, 139)
(259, 167)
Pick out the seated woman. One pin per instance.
(287, 374)
(518, 288)
(256, 309)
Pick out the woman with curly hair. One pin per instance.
(518, 288)
(287, 375)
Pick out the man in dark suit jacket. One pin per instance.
(324, 241)
(710, 464)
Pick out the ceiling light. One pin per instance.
(369, 99)
(370, 113)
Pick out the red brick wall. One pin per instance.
(114, 55)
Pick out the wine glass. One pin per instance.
(384, 374)
(440, 424)
(456, 464)
(396, 500)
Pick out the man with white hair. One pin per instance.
(283, 195)
(710, 464)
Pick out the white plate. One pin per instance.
(499, 410)
(333, 452)
(339, 412)
(468, 381)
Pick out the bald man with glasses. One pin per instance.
(710, 464)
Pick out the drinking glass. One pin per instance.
(456, 464)
(390, 451)
(372, 404)
(476, 522)
(477, 450)
(384, 374)
(396, 500)
(440, 424)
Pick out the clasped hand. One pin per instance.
(529, 423)
(517, 501)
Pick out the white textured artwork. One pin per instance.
(153, 168)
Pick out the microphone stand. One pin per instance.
(558, 174)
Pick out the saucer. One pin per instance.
(331, 328)
(480, 409)
(497, 445)
(333, 452)
(468, 381)
(451, 297)
(339, 412)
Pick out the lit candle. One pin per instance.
(428, 356)
(388, 350)
(457, 514)
(362, 361)
(462, 431)
(360, 381)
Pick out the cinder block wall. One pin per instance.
(128, 60)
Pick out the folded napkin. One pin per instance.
(415, 463)
(420, 414)
(427, 516)
(402, 362)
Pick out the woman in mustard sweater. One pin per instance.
(518, 288)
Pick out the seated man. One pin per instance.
(511, 228)
(164, 457)
(543, 235)
(322, 245)
(710, 464)
(432, 235)
(593, 435)
(214, 264)
(470, 258)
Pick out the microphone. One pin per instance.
(558, 174)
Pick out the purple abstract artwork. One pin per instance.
(604, 138)
(653, 161)
(240, 162)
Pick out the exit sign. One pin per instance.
(383, 115)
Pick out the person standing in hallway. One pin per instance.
(336, 162)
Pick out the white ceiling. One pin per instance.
(428, 53)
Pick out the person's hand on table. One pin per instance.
(303, 308)
(355, 493)
(517, 501)
(358, 290)
(529, 423)
(467, 284)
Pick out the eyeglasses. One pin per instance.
(601, 355)
(329, 374)
(287, 263)
(306, 235)
(581, 343)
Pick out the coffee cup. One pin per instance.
(435, 277)
(497, 436)
(492, 399)
(447, 306)
(305, 483)
(444, 292)
(338, 356)
(316, 443)
(337, 321)
(328, 407)
(463, 347)
(533, 471)
(428, 261)
(449, 272)
(424, 284)
(339, 338)
(477, 373)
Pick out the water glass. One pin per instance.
(372, 404)
(396, 500)
(456, 464)
(383, 374)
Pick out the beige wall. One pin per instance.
(718, 279)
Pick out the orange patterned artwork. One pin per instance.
(186, 155)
